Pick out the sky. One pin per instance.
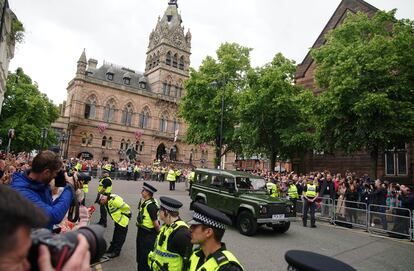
(118, 31)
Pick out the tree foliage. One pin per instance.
(274, 113)
(27, 110)
(366, 68)
(216, 79)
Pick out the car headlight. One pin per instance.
(263, 209)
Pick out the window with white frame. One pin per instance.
(396, 161)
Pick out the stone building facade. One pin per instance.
(116, 113)
(7, 44)
(396, 164)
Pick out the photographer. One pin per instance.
(34, 185)
(402, 222)
(18, 216)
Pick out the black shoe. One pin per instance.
(313, 226)
(111, 255)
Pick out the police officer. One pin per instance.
(147, 224)
(293, 193)
(104, 188)
(207, 229)
(173, 243)
(120, 213)
(171, 178)
(272, 189)
(310, 193)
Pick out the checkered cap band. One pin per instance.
(208, 221)
(169, 208)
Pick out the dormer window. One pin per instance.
(127, 81)
(143, 85)
(110, 76)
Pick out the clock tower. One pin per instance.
(168, 55)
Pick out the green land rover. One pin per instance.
(243, 197)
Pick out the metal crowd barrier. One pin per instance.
(396, 222)
(351, 213)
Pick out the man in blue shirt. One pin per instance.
(34, 185)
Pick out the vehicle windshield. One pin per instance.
(251, 183)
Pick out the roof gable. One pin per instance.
(337, 18)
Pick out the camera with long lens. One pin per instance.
(62, 246)
(60, 180)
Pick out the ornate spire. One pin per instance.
(82, 62)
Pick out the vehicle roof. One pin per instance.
(229, 173)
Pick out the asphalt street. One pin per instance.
(265, 251)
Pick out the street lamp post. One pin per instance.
(216, 85)
(11, 135)
(43, 136)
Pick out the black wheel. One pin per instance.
(281, 228)
(246, 223)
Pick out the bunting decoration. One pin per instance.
(102, 127)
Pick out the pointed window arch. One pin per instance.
(109, 110)
(144, 118)
(127, 114)
(90, 140)
(90, 107)
(109, 143)
(128, 143)
(164, 122)
(176, 125)
(104, 142)
(84, 138)
(181, 63)
(122, 146)
(175, 60)
(168, 58)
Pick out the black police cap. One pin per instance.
(205, 215)
(149, 188)
(301, 260)
(170, 204)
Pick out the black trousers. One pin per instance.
(118, 239)
(145, 244)
(104, 214)
(306, 206)
(172, 185)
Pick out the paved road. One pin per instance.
(266, 250)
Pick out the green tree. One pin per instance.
(216, 79)
(366, 68)
(274, 113)
(27, 110)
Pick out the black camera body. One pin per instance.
(60, 180)
(62, 246)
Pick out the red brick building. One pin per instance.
(396, 164)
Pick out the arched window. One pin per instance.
(128, 143)
(122, 147)
(181, 64)
(168, 59)
(163, 123)
(104, 141)
(90, 140)
(141, 147)
(154, 61)
(84, 138)
(109, 110)
(144, 118)
(136, 146)
(90, 108)
(127, 114)
(175, 60)
(176, 125)
(109, 143)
